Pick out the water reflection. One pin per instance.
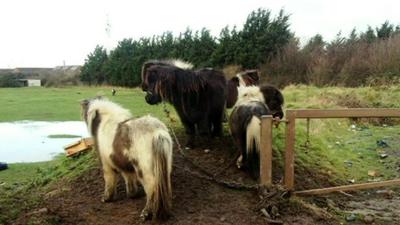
(28, 141)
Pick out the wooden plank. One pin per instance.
(289, 152)
(89, 141)
(351, 187)
(266, 151)
(345, 113)
(82, 145)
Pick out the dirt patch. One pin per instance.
(195, 200)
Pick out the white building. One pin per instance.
(30, 82)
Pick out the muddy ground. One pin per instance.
(199, 201)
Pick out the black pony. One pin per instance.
(244, 123)
(197, 95)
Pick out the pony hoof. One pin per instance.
(107, 199)
(145, 215)
(104, 200)
(239, 162)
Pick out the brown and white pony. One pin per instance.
(244, 124)
(138, 148)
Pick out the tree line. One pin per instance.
(370, 57)
(261, 37)
(265, 42)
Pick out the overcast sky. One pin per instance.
(41, 33)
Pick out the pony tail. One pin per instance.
(253, 132)
(162, 196)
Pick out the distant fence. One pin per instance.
(291, 117)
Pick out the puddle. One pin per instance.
(31, 141)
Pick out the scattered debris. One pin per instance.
(377, 179)
(346, 194)
(373, 173)
(79, 146)
(386, 193)
(39, 211)
(369, 219)
(265, 213)
(3, 166)
(350, 218)
(382, 143)
(349, 163)
(383, 156)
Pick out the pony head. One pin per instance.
(249, 94)
(175, 63)
(274, 99)
(155, 78)
(85, 104)
(162, 80)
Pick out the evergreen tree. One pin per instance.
(262, 37)
(93, 70)
(385, 30)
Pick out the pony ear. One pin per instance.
(254, 74)
(90, 116)
(84, 102)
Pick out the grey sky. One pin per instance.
(44, 33)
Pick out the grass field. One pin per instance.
(342, 149)
(62, 104)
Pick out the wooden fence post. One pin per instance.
(266, 151)
(289, 153)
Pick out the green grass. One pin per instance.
(18, 173)
(335, 147)
(62, 104)
(333, 142)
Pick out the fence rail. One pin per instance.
(291, 117)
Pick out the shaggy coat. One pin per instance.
(274, 99)
(245, 78)
(198, 96)
(138, 148)
(245, 127)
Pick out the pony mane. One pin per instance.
(181, 64)
(174, 81)
(249, 94)
(178, 63)
(106, 110)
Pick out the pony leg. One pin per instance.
(216, 126)
(149, 188)
(191, 132)
(110, 183)
(190, 128)
(204, 127)
(241, 160)
(130, 184)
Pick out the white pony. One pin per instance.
(245, 127)
(138, 148)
